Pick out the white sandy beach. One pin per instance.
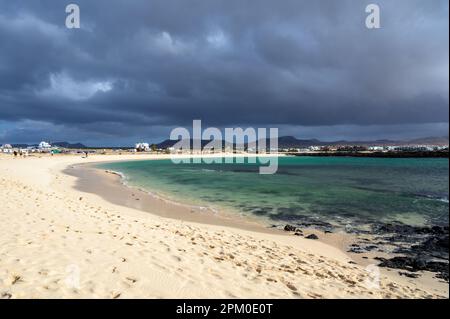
(58, 242)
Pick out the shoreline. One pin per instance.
(109, 183)
(110, 186)
(123, 252)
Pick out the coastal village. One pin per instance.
(438, 149)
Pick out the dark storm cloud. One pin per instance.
(140, 65)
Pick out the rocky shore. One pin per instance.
(413, 248)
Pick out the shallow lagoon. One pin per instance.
(336, 190)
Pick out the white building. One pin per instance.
(314, 148)
(6, 148)
(142, 147)
(44, 146)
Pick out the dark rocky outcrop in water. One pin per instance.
(302, 221)
(409, 274)
(422, 248)
(435, 246)
(416, 248)
(298, 232)
(416, 263)
(402, 229)
(289, 228)
(361, 248)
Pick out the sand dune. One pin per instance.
(57, 242)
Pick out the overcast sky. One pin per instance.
(136, 69)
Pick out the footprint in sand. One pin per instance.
(291, 286)
(16, 279)
(5, 295)
(115, 295)
(131, 279)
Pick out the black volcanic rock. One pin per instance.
(416, 263)
(397, 228)
(435, 246)
(408, 274)
(300, 220)
(312, 236)
(361, 248)
(289, 228)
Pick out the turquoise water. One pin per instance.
(337, 190)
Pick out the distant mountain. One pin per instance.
(21, 145)
(170, 143)
(68, 145)
(166, 144)
(430, 141)
(58, 144)
(293, 142)
(283, 142)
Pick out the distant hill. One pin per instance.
(58, 144)
(293, 142)
(68, 145)
(169, 143)
(283, 142)
(431, 140)
(21, 145)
